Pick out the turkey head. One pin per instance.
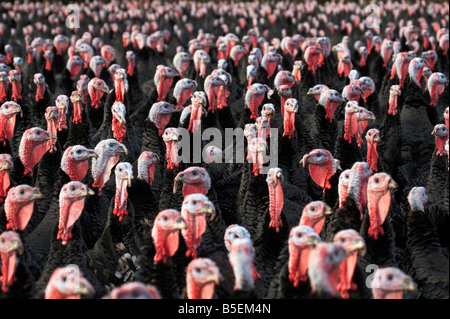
(33, 145)
(11, 248)
(68, 283)
(124, 175)
(322, 166)
(354, 244)
(165, 233)
(202, 275)
(19, 204)
(379, 188)
(146, 166)
(109, 152)
(195, 180)
(302, 240)
(71, 205)
(390, 283)
(194, 209)
(75, 161)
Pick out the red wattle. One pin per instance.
(16, 90)
(119, 130)
(120, 201)
(276, 206)
(171, 155)
(392, 105)
(346, 270)
(378, 210)
(289, 124)
(372, 156)
(77, 112)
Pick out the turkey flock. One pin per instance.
(97, 201)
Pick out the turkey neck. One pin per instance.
(289, 124)
(10, 261)
(298, 264)
(222, 96)
(16, 88)
(69, 213)
(372, 155)
(171, 154)
(120, 198)
(77, 109)
(95, 96)
(350, 127)
(40, 90)
(378, 206)
(196, 116)
(255, 101)
(393, 104)
(3, 91)
(163, 87)
(101, 169)
(119, 129)
(276, 202)
(120, 89)
(346, 270)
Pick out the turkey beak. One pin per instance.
(129, 179)
(6, 166)
(209, 209)
(104, 89)
(357, 245)
(180, 223)
(392, 184)
(304, 160)
(328, 211)
(213, 275)
(408, 284)
(84, 288)
(51, 137)
(36, 194)
(178, 178)
(312, 241)
(16, 246)
(91, 153)
(122, 149)
(90, 192)
(371, 117)
(17, 109)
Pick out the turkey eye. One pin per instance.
(21, 192)
(3, 240)
(342, 240)
(78, 151)
(194, 202)
(120, 169)
(165, 218)
(197, 269)
(390, 277)
(377, 180)
(72, 188)
(194, 173)
(64, 279)
(313, 209)
(299, 235)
